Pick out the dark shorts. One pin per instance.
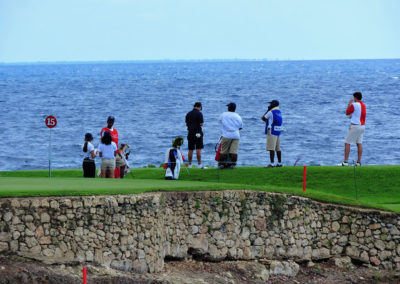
(195, 142)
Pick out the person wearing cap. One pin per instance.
(88, 165)
(273, 127)
(119, 161)
(194, 122)
(231, 125)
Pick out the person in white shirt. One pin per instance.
(107, 152)
(231, 125)
(88, 165)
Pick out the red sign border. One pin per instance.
(49, 125)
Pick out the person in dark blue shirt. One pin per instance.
(273, 127)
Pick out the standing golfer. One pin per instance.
(231, 125)
(273, 119)
(357, 112)
(194, 121)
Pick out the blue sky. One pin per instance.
(92, 30)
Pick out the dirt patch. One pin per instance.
(19, 270)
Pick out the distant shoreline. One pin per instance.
(184, 61)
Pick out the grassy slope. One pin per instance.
(378, 186)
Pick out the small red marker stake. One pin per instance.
(304, 178)
(84, 275)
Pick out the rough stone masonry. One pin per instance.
(137, 232)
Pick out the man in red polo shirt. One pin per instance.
(357, 112)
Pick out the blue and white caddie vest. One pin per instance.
(276, 126)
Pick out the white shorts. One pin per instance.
(355, 134)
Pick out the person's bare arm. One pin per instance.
(93, 154)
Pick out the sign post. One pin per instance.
(50, 122)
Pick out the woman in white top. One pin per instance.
(88, 165)
(107, 151)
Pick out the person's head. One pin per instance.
(197, 105)
(107, 138)
(177, 142)
(110, 121)
(231, 107)
(88, 137)
(274, 103)
(357, 96)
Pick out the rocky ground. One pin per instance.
(19, 270)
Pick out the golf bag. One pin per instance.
(227, 160)
(172, 165)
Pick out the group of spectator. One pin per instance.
(232, 123)
(113, 162)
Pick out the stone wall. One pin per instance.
(136, 232)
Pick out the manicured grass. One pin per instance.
(377, 186)
(11, 186)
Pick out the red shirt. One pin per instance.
(114, 134)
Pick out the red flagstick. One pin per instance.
(304, 178)
(84, 275)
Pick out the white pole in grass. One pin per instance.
(50, 122)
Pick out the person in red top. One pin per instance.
(119, 161)
(357, 112)
(109, 128)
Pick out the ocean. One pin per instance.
(149, 101)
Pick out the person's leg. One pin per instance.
(222, 159)
(111, 174)
(233, 152)
(278, 151)
(279, 155)
(272, 146)
(103, 169)
(85, 169)
(360, 137)
(122, 171)
(92, 169)
(190, 156)
(346, 152)
(359, 152)
(198, 154)
(234, 158)
(225, 146)
(272, 157)
(199, 146)
(191, 146)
